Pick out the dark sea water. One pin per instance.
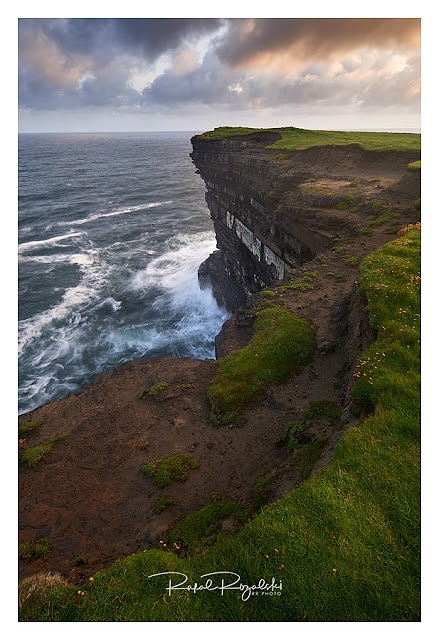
(112, 230)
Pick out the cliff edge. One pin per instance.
(274, 211)
(291, 225)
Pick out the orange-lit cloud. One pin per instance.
(42, 57)
(261, 42)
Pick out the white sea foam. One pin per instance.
(175, 273)
(114, 305)
(81, 259)
(140, 340)
(49, 374)
(184, 322)
(73, 300)
(27, 246)
(32, 328)
(172, 270)
(110, 214)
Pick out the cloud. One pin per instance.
(153, 37)
(50, 77)
(372, 78)
(253, 42)
(246, 63)
(66, 62)
(185, 62)
(105, 38)
(207, 83)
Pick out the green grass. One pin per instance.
(34, 549)
(27, 428)
(381, 215)
(163, 504)
(341, 250)
(303, 283)
(203, 528)
(351, 261)
(345, 544)
(229, 132)
(171, 468)
(344, 204)
(261, 490)
(327, 410)
(391, 278)
(295, 139)
(157, 388)
(282, 342)
(32, 456)
(154, 391)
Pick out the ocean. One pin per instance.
(112, 230)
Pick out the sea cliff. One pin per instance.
(274, 211)
(292, 230)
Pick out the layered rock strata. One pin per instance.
(273, 212)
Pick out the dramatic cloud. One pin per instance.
(152, 65)
(372, 80)
(153, 37)
(253, 41)
(81, 61)
(107, 37)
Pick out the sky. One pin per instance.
(194, 74)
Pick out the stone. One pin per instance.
(272, 213)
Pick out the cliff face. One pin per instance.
(326, 207)
(274, 212)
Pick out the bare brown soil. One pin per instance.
(89, 497)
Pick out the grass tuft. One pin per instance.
(34, 549)
(171, 468)
(32, 456)
(303, 283)
(163, 504)
(154, 391)
(34, 592)
(205, 527)
(27, 427)
(282, 342)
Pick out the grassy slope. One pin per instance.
(296, 139)
(281, 343)
(345, 544)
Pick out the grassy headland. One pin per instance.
(343, 546)
(295, 139)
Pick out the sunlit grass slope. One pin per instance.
(295, 139)
(343, 546)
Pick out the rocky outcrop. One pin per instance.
(273, 212)
(213, 273)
